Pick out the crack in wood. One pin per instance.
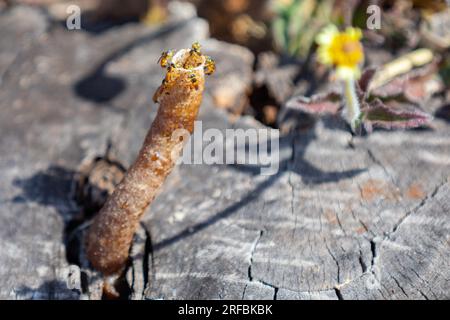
(420, 205)
(250, 275)
(252, 251)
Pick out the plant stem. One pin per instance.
(352, 103)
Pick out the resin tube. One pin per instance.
(179, 96)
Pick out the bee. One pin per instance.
(196, 47)
(210, 66)
(193, 78)
(165, 58)
(170, 67)
(171, 75)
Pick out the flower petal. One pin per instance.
(326, 36)
(354, 33)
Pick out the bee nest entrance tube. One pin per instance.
(109, 238)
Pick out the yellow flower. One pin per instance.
(342, 50)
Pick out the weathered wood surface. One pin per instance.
(345, 218)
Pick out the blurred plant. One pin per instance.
(435, 29)
(156, 13)
(445, 72)
(344, 51)
(297, 22)
(430, 6)
(238, 21)
(386, 97)
(400, 21)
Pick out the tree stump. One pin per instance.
(344, 218)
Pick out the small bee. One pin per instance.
(193, 78)
(170, 76)
(196, 47)
(170, 67)
(195, 55)
(210, 66)
(165, 58)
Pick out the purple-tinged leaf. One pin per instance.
(364, 82)
(320, 104)
(393, 116)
